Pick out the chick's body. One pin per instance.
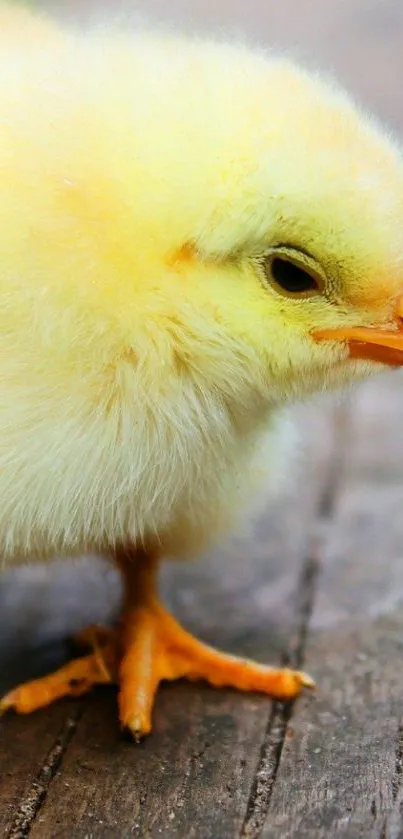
(143, 356)
(130, 406)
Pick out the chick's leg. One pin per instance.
(150, 646)
(156, 647)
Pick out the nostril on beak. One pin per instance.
(398, 313)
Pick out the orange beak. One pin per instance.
(373, 343)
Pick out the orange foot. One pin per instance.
(152, 646)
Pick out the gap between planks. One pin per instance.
(33, 800)
(276, 731)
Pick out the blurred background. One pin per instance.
(359, 42)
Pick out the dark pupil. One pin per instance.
(290, 277)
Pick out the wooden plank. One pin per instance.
(30, 752)
(340, 771)
(193, 776)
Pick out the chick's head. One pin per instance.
(278, 219)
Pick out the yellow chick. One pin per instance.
(192, 234)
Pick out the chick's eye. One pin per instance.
(291, 277)
(292, 273)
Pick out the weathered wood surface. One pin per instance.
(317, 581)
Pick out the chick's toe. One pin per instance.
(73, 679)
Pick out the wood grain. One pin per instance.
(29, 757)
